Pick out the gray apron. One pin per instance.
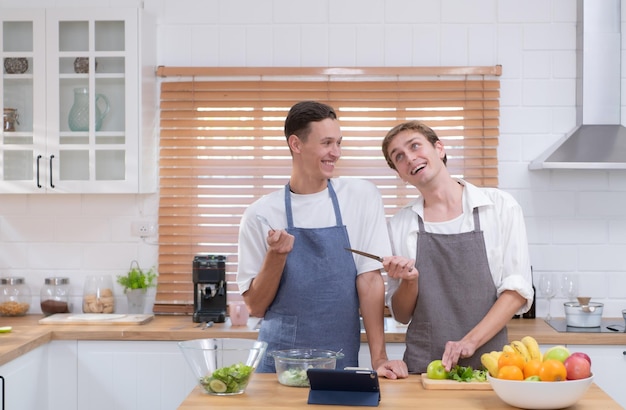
(316, 305)
(456, 291)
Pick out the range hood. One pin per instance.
(599, 139)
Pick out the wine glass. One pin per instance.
(547, 287)
(569, 286)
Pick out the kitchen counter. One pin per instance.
(28, 334)
(264, 392)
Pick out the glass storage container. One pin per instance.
(55, 296)
(98, 295)
(15, 297)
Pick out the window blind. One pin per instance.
(222, 147)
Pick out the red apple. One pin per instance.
(583, 355)
(577, 367)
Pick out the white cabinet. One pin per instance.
(608, 364)
(76, 375)
(62, 375)
(26, 381)
(131, 375)
(86, 103)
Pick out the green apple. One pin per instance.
(559, 353)
(532, 379)
(435, 370)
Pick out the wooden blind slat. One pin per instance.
(222, 147)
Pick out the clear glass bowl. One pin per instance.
(292, 364)
(223, 366)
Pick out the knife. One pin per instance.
(367, 255)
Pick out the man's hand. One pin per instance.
(456, 350)
(399, 267)
(279, 241)
(393, 369)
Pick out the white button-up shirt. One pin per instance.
(502, 223)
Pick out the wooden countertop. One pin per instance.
(28, 334)
(264, 392)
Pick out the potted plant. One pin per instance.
(136, 283)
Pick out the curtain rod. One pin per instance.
(165, 71)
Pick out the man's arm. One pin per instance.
(507, 304)
(371, 290)
(264, 286)
(404, 297)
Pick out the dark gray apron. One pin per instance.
(456, 291)
(316, 305)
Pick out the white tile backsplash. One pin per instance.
(315, 45)
(576, 220)
(413, 11)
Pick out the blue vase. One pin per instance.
(78, 119)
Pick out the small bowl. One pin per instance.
(292, 364)
(17, 65)
(223, 367)
(540, 395)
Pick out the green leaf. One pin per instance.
(467, 374)
(136, 278)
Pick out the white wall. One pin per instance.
(576, 220)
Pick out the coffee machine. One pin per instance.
(209, 285)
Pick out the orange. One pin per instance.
(511, 359)
(552, 370)
(510, 372)
(532, 368)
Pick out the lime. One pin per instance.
(5, 329)
(217, 386)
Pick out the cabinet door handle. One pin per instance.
(51, 184)
(38, 158)
(2, 378)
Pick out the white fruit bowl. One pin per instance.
(540, 395)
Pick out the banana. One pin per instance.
(533, 347)
(495, 354)
(490, 363)
(521, 349)
(508, 348)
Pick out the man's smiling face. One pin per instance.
(322, 149)
(415, 158)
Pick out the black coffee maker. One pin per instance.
(209, 286)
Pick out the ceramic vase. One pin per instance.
(136, 300)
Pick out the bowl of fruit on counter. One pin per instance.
(524, 376)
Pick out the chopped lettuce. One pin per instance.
(467, 374)
(294, 377)
(235, 378)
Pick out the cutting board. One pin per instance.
(431, 384)
(95, 319)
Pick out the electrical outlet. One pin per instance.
(143, 228)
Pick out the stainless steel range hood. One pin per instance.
(599, 139)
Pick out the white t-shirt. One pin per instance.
(362, 213)
(502, 223)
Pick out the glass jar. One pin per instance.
(98, 294)
(14, 297)
(55, 296)
(9, 119)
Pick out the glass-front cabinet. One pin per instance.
(72, 95)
